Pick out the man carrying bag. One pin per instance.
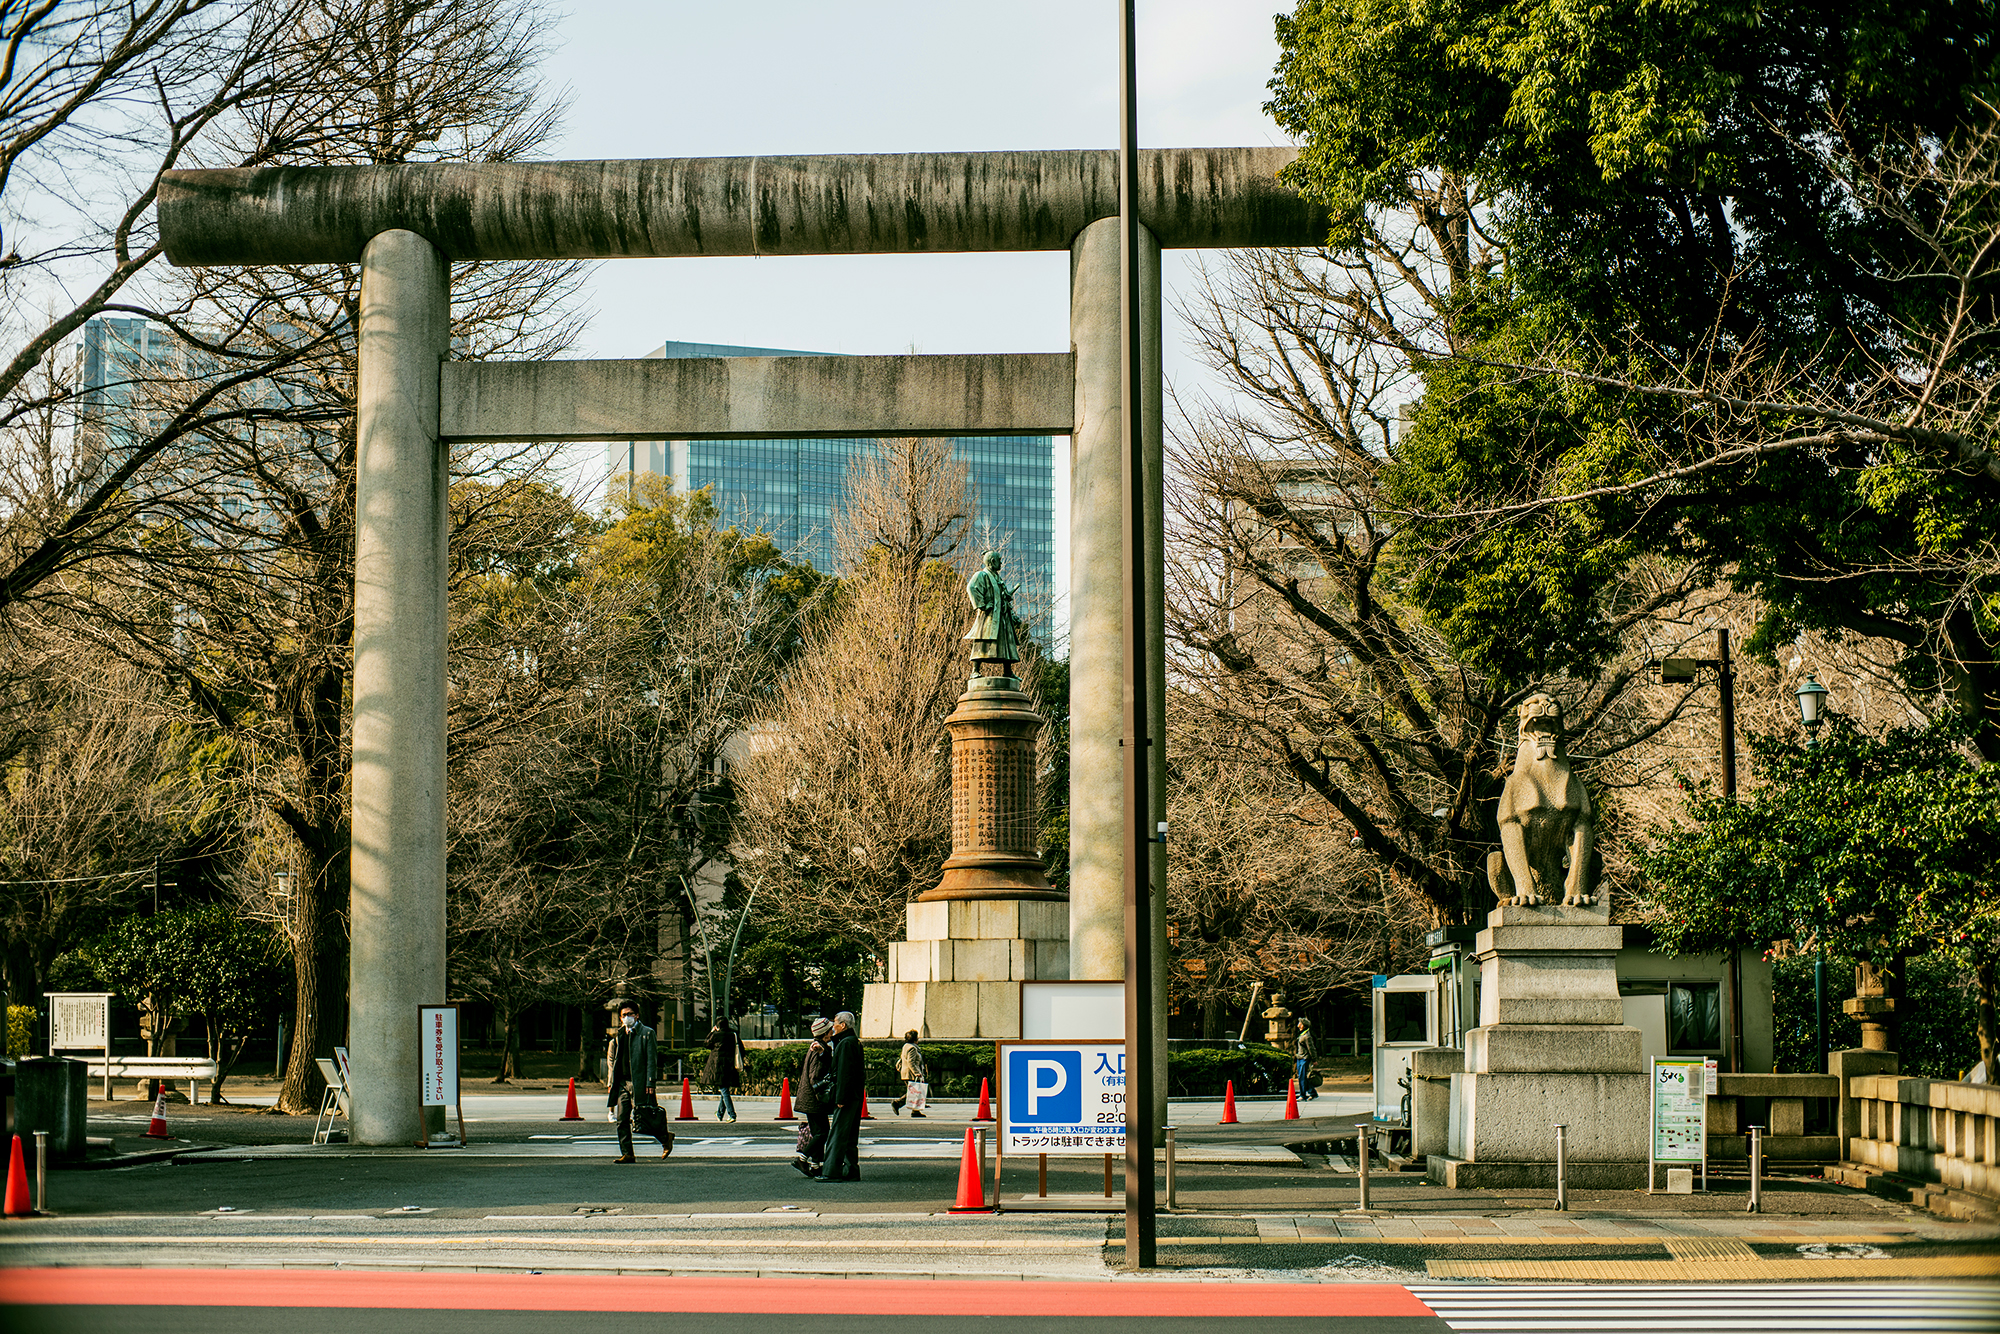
(631, 1065)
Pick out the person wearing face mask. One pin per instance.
(631, 1063)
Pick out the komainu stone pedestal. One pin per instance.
(992, 922)
(1552, 1046)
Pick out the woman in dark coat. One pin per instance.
(815, 1105)
(721, 1072)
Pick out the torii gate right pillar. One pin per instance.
(1097, 617)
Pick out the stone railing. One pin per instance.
(1779, 1103)
(1928, 1130)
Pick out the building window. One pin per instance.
(1405, 1016)
(1694, 1017)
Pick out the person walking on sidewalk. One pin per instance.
(843, 1149)
(915, 1075)
(1305, 1050)
(723, 1071)
(631, 1064)
(815, 1100)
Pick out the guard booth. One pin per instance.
(1406, 1020)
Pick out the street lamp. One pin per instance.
(1812, 712)
(1812, 706)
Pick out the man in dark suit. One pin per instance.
(843, 1146)
(631, 1065)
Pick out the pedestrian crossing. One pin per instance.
(1688, 1308)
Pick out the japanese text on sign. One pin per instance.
(440, 1047)
(1062, 1097)
(1680, 1110)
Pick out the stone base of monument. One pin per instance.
(1552, 1047)
(959, 974)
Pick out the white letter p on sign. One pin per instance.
(1037, 1090)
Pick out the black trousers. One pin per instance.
(625, 1121)
(817, 1124)
(843, 1149)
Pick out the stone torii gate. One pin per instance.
(404, 225)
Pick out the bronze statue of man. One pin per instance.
(991, 633)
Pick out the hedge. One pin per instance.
(957, 1067)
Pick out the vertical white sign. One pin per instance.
(1680, 1110)
(440, 1048)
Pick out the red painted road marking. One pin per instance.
(351, 1289)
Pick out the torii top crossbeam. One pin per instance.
(891, 203)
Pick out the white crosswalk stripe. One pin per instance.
(1688, 1308)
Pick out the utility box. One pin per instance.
(1406, 1020)
(49, 1095)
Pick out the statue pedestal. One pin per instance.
(1552, 1046)
(959, 974)
(992, 922)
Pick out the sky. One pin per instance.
(670, 78)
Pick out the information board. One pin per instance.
(80, 1020)
(440, 1048)
(1073, 1010)
(1680, 1109)
(1063, 1099)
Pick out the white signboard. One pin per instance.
(1086, 1010)
(1062, 1098)
(1680, 1109)
(80, 1020)
(440, 1048)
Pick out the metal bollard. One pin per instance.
(1757, 1169)
(1362, 1135)
(1562, 1167)
(1168, 1133)
(41, 1172)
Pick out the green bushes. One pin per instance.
(957, 1067)
(1938, 1033)
(20, 1029)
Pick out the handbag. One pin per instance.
(920, 1090)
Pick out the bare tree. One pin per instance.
(847, 789)
(1286, 567)
(1264, 885)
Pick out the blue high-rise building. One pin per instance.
(792, 488)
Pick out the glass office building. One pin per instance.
(792, 488)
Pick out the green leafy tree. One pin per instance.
(1713, 281)
(1877, 848)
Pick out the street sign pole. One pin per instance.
(1139, 1128)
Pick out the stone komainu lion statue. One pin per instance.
(1547, 831)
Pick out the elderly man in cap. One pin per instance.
(843, 1148)
(631, 1068)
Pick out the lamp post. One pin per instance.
(1812, 712)
(1685, 671)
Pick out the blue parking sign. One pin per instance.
(1044, 1087)
(1062, 1098)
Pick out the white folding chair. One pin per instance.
(333, 1105)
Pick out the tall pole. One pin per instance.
(1725, 672)
(1139, 1128)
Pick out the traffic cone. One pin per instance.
(17, 1184)
(985, 1104)
(866, 1115)
(570, 1112)
(785, 1099)
(1228, 1104)
(158, 1129)
(687, 1104)
(1292, 1101)
(971, 1187)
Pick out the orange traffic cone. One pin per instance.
(785, 1099)
(1228, 1104)
(985, 1104)
(1292, 1101)
(17, 1184)
(570, 1113)
(687, 1104)
(158, 1129)
(866, 1115)
(971, 1187)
